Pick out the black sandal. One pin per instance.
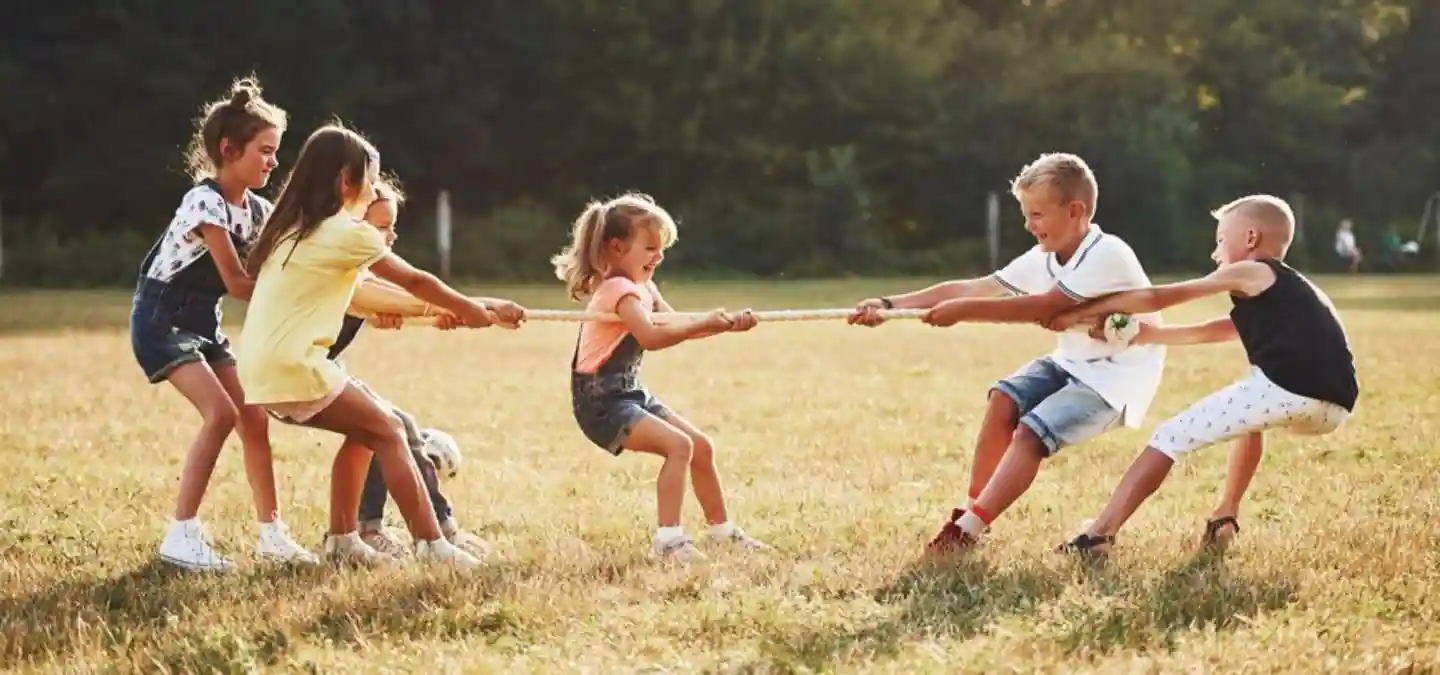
(1213, 525)
(1084, 544)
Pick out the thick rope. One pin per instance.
(764, 316)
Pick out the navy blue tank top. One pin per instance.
(1292, 333)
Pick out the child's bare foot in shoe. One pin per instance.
(1219, 531)
(1087, 543)
(951, 539)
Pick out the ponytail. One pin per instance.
(582, 264)
(578, 265)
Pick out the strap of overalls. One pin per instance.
(575, 357)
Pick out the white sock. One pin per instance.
(449, 525)
(722, 530)
(668, 533)
(272, 527)
(972, 524)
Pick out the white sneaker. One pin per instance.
(276, 545)
(441, 550)
(386, 543)
(186, 546)
(740, 539)
(349, 548)
(678, 549)
(466, 541)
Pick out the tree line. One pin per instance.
(790, 137)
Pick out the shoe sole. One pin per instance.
(195, 567)
(287, 560)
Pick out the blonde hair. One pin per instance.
(581, 265)
(1067, 174)
(387, 188)
(1271, 214)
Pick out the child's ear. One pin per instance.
(228, 151)
(1077, 209)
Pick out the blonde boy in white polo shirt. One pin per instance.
(1079, 391)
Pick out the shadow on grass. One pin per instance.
(958, 599)
(158, 617)
(113, 612)
(442, 607)
(1142, 612)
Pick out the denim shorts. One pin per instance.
(608, 420)
(171, 326)
(1060, 409)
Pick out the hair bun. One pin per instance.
(243, 91)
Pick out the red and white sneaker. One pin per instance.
(951, 538)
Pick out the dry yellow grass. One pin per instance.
(841, 446)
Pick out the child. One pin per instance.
(391, 303)
(1082, 389)
(175, 320)
(1302, 374)
(615, 248)
(306, 263)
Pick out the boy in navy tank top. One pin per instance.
(1302, 373)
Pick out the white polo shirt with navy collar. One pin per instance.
(1127, 377)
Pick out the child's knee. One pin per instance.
(220, 415)
(702, 451)
(384, 436)
(680, 448)
(252, 418)
(1028, 440)
(396, 424)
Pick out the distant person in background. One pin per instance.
(1392, 250)
(1346, 247)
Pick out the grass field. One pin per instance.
(843, 447)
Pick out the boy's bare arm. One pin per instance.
(867, 311)
(1017, 309)
(1246, 278)
(1220, 329)
(930, 296)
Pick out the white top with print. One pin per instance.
(183, 244)
(1126, 377)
